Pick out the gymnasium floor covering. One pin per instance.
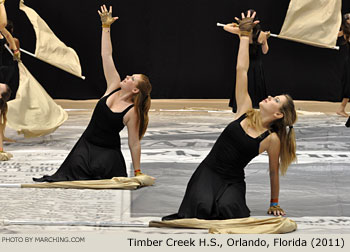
(315, 192)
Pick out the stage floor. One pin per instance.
(314, 193)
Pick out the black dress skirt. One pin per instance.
(217, 188)
(97, 153)
(344, 61)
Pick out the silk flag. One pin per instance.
(49, 48)
(250, 225)
(33, 113)
(124, 183)
(312, 22)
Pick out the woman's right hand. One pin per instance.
(139, 173)
(247, 23)
(106, 16)
(276, 211)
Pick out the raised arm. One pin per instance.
(109, 69)
(263, 41)
(243, 100)
(12, 42)
(3, 16)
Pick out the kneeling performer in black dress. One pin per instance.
(97, 154)
(217, 188)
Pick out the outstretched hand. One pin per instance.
(106, 16)
(247, 23)
(276, 211)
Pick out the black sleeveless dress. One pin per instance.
(97, 153)
(217, 188)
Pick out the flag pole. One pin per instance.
(304, 42)
(33, 55)
(75, 223)
(296, 40)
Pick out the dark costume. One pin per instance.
(344, 61)
(9, 73)
(217, 188)
(97, 153)
(256, 79)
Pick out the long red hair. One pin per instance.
(142, 103)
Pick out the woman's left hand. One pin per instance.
(276, 211)
(17, 55)
(263, 37)
(232, 28)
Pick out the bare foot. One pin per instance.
(342, 113)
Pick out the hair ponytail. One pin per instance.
(288, 143)
(142, 103)
(287, 137)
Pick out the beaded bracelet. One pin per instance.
(273, 202)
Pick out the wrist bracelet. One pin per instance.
(274, 202)
(106, 26)
(245, 33)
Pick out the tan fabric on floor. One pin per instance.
(114, 183)
(33, 113)
(4, 156)
(312, 22)
(275, 225)
(49, 48)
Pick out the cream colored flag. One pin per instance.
(33, 113)
(49, 48)
(313, 22)
(125, 183)
(250, 225)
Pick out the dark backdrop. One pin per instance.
(176, 43)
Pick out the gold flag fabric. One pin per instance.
(313, 22)
(49, 48)
(250, 225)
(33, 112)
(113, 183)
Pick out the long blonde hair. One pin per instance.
(142, 103)
(287, 137)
